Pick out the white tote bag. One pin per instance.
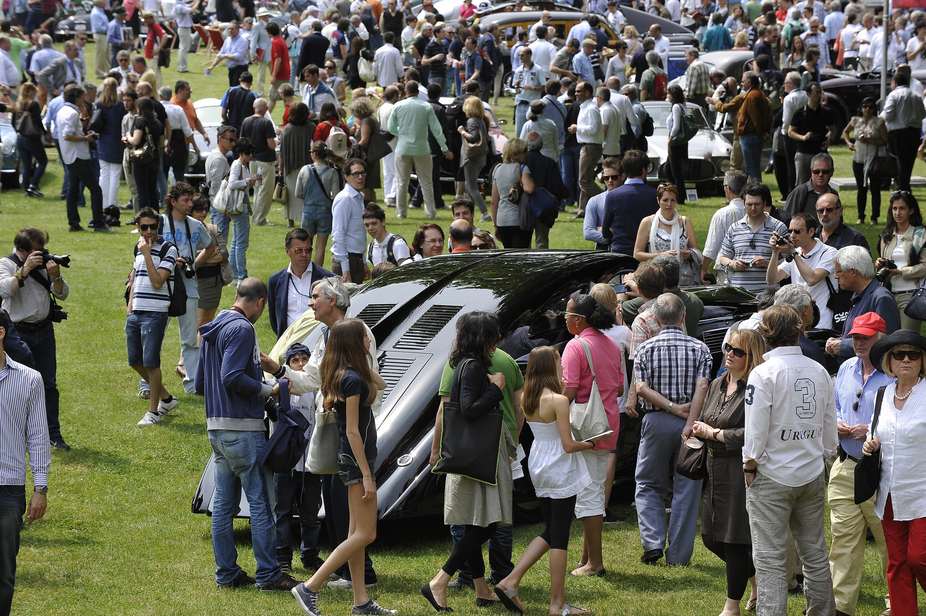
(589, 419)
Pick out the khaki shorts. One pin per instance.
(275, 89)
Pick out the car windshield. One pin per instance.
(661, 114)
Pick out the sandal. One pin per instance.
(180, 370)
(507, 597)
(568, 610)
(751, 604)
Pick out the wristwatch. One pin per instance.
(19, 275)
(41, 489)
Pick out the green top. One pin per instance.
(514, 381)
(16, 46)
(648, 81)
(753, 10)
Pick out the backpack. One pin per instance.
(648, 127)
(288, 442)
(337, 141)
(390, 257)
(660, 87)
(177, 293)
(797, 29)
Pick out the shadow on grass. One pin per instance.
(94, 458)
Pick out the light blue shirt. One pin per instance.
(594, 214)
(410, 120)
(114, 32)
(237, 47)
(43, 58)
(98, 21)
(187, 245)
(582, 66)
(21, 6)
(348, 235)
(54, 106)
(833, 24)
(847, 385)
(182, 13)
(25, 426)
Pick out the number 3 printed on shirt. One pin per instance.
(750, 392)
(808, 404)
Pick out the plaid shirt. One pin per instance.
(671, 363)
(741, 242)
(697, 79)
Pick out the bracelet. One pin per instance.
(56, 279)
(279, 373)
(19, 275)
(669, 408)
(750, 471)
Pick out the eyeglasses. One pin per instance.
(858, 398)
(727, 348)
(913, 355)
(822, 171)
(795, 231)
(357, 173)
(610, 178)
(301, 251)
(572, 314)
(434, 240)
(123, 59)
(153, 227)
(232, 140)
(826, 210)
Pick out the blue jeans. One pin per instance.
(569, 165)
(520, 116)
(499, 553)
(236, 467)
(31, 148)
(34, 20)
(240, 239)
(752, 155)
(12, 509)
(656, 458)
(144, 334)
(189, 349)
(219, 220)
(41, 341)
(300, 493)
(441, 81)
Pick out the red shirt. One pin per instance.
(279, 51)
(286, 115)
(152, 39)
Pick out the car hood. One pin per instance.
(704, 144)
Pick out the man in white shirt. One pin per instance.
(723, 219)
(847, 37)
(183, 12)
(790, 432)
(75, 153)
(795, 98)
(623, 104)
(590, 135)
(617, 19)
(347, 232)
(385, 247)
(811, 263)
(611, 122)
(863, 38)
(895, 48)
(542, 51)
(391, 97)
(662, 43)
(387, 65)
(916, 48)
(903, 115)
(9, 74)
(545, 20)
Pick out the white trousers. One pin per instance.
(110, 174)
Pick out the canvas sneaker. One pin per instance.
(345, 584)
(307, 599)
(144, 394)
(371, 607)
(284, 582)
(241, 581)
(166, 407)
(149, 419)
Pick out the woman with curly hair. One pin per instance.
(371, 146)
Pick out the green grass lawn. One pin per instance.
(119, 537)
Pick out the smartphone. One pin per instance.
(607, 433)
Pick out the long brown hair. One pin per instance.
(27, 94)
(345, 349)
(541, 374)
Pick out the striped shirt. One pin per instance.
(741, 242)
(146, 297)
(22, 425)
(671, 362)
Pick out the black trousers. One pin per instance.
(790, 156)
(739, 564)
(858, 169)
(675, 168)
(81, 170)
(903, 144)
(234, 74)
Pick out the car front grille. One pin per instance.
(695, 170)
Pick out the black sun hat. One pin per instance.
(902, 337)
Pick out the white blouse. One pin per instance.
(902, 434)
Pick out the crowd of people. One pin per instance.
(576, 108)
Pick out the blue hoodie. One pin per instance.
(229, 374)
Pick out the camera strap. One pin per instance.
(189, 236)
(35, 275)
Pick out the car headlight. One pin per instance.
(723, 164)
(7, 147)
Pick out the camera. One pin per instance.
(882, 274)
(56, 314)
(62, 260)
(272, 408)
(782, 241)
(189, 270)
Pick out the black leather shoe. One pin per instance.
(76, 228)
(651, 557)
(58, 443)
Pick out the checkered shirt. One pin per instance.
(671, 363)
(697, 79)
(741, 242)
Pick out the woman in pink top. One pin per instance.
(586, 319)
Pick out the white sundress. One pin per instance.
(555, 473)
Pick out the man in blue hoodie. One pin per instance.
(230, 378)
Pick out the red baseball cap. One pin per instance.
(868, 324)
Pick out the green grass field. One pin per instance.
(119, 537)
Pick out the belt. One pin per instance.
(843, 455)
(724, 453)
(32, 326)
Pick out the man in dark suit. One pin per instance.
(626, 206)
(291, 287)
(487, 44)
(314, 48)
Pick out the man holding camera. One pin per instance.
(30, 281)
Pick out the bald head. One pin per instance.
(461, 234)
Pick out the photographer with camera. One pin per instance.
(900, 268)
(30, 284)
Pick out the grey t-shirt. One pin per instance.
(216, 168)
(506, 176)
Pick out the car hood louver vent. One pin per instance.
(392, 369)
(425, 328)
(374, 313)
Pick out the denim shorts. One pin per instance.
(316, 220)
(144, 333)
(349, 471)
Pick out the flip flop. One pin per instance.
(577, 573)
(507, 598)
(751, 605)
(428, 594)
(567, 611)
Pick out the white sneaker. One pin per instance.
(165, 407)
(149, 419)
(135, 230)
(233, 283)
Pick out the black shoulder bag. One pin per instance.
(469, 444)
(868, 469)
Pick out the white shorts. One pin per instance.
(590, 501)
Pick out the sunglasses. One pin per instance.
(479, 247)
(822, 172)
(858, 399)
(232, 140)
(795, 231)
(913, 355)
(610, 178)
(826, 210)
(358, 173)
(301, 251)
(736, 352)
(200, 209)
(153, 227)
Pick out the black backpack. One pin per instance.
(648, 126)
(288, 442)
(390, 257)
(176, 294)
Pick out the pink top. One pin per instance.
(467, 11)
(606, 356)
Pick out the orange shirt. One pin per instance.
(376, 7)
(189, 110)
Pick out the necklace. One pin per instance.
(907, 395)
